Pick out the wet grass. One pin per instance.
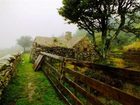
(29, 87)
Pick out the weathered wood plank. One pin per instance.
(59, 92)
(38, 62)
(53, 56)
(122, 73)
(92, 99)
(106, 90)
(65, 90)
(54, 69)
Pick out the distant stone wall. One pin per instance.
(35, 51)
(7, 70)
(61, 51)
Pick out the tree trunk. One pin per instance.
(24, 49)
(95, 46)
(104, 39)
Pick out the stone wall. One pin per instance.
(84, 50)
(61, 51)
(7, 70)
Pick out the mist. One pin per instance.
(30, 17)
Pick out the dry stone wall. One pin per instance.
(75, 53)
(7, 70)
(61, 51)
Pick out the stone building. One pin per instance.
(79, 47)
(83, 47)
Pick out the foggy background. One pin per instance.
(30, 17)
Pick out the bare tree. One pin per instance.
(24, 41)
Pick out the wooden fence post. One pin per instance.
(75, 79)
(88, 90)
(50, 61)
(62, 72)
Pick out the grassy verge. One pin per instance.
(29, 87)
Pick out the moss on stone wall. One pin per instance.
(7, 70)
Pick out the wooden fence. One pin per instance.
(78, 89)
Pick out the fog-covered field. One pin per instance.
(11, 50)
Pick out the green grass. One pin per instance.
(29, 87)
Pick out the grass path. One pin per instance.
(30, 88)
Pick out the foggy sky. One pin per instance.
(30, 17)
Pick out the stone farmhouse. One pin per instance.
(78, 47)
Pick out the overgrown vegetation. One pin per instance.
(29, 87)
(134, 46)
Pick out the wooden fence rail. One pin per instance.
(122, 73)
(66, 81)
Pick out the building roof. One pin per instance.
(75, 40)
(58, 41)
